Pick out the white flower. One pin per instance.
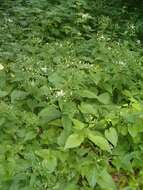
(132, 26)
(9, 20)
(121, 63)
(60, 93)
(1, 67)
(79, 33)
(101, 37)
(138, 41)
(32, 83)
(12, 75)
(30, 69)
(44, 69)
(85, 16)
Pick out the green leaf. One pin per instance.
(105, 181)
(71, 186)
(135, 129)
(112, 136)
(104, 98)
(18, 95)
(78, 124)
(50, 163)
(43, 153)
(74, 140)
(67, 123)
(68, 108)
(44, 91)
(87, 108)
(3, 93)
(87, 94)
(30, 135)
(91, 176)
(49, 113)
(49, 160)
(56, 79)
(100, 141)
(96, 77)
(56, 122)
(62, 138)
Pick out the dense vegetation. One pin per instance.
(71, 95)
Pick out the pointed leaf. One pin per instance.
(49, 113)
(104, 98)
(78, 124)
(87, 94)
(100, 141)
(74, 140)
(50, 163)
(112, 136)
(3, 93)
(87, 108)
(18, 95)
(91, 177)
(105, 181)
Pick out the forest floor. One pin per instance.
(71, 95)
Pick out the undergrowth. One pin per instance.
(71, 95)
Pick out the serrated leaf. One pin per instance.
(112, 136)
(100, 141)
(74, 140)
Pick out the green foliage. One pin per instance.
(71, 95)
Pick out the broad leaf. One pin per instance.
(78, 124)
(3, 93)
(18, 95)
(100, 141)
(105, 181)
(91, 176)
(30, 135)
(49, 113)
(74, 140)
(112, 136)
(87, 94)
(49, 160)
(56, 79)
(104, 98)
(87, 108)
(50, 163)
